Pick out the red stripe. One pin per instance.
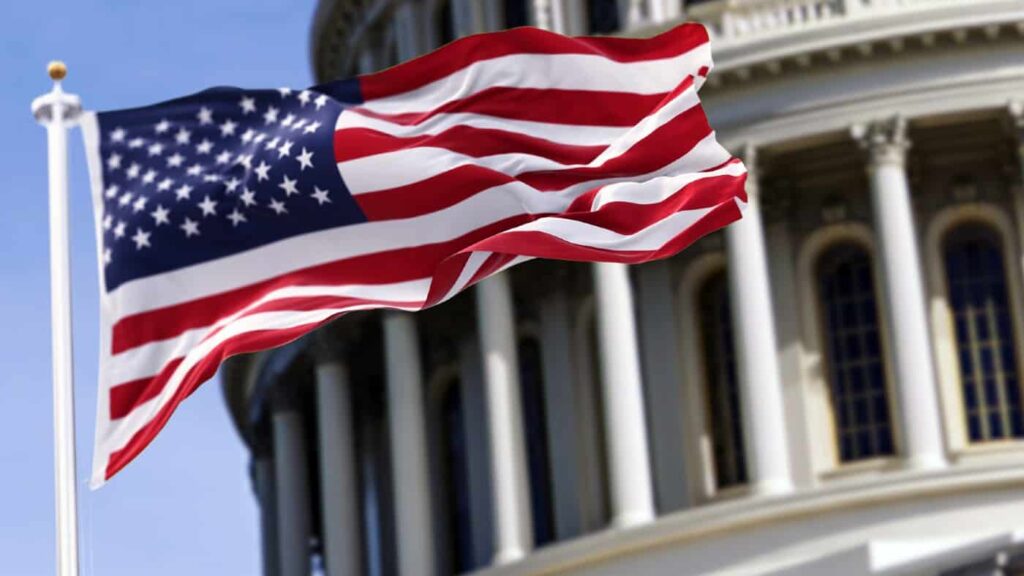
(466, 51)
(353, 143)
(431, 194)
(379, 268)
(554, 106)
(125, 397)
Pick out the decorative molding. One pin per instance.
(885, 140)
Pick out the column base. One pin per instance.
(772, 487)
(631, 519)
(508, 556)
(926, 462)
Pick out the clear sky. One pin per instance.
(185, 506)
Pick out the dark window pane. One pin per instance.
(856, 374)
(535, 428)
(516, 13)
(603, 16)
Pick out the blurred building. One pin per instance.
(832, 386)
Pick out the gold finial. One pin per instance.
(57, 70)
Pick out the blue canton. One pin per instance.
(217, 173)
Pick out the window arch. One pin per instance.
(855, 362)
(721, 382)
(976, 281)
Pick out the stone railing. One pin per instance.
(739, 20)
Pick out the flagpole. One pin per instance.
(58, 111)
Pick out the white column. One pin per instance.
(629, 465)
(762, 407)
(339, 484)
(406, 415)
(292, 483)
(262, 472)
(887, 145)
(513, 537)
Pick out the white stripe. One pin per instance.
(147, 360)
(549, 71)
(473, 263)
(652, 237)
(658, 189)
(410, 165)
(576, 136)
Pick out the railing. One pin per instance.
(736, 20)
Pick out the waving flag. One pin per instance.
(234, 220)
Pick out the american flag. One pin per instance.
(232, 220)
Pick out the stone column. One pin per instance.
(513, 531)
(291, 470)
(406, 415)
(762, 407)
(261, 468)
(339, 481)
(629, 465)
(886, 143)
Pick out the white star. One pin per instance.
(284, 91)
(204, 147)
(259, 138)
(320, 196)
(228, 127)
(141, 239)
(183, 136)
(320, 101)
(270, 116)
(190, 227)
(208, 206)
(211, 177)
(136, 143)
(244, 160)
(304, 97)
(278, 206)
(313, 127)
(248, 197)
(106, 256)
(248, 135)
(299, 124)
(133, 171)
(288, 120)
(119, 229)
(305, 159)
(108, 221)
(262, 171)
(205, 116)
(112, 191)
(195, 169)
(182, 192)
(271, 144)
(175, 161)
(163, 126)
(288, 185)
(164, 185)
(125, 199)
(114, 162)
(231, 185)
(149, 176)
(248, 105)
(160, 215)
(236, 217)
(155, 149)
(118, 134)
(139, 204)
(285, 149)
(224, 157)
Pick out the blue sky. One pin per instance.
(185, 506)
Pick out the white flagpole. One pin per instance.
(58, 111)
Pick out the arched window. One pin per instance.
(855, 364)
(721, 383)
(455, 457)
(535, 429)
(976, 278)
(602, 16)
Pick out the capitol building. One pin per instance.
(831, 386)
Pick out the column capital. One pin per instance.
(885, 140)
(748, 153)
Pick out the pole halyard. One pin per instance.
(58, 111)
